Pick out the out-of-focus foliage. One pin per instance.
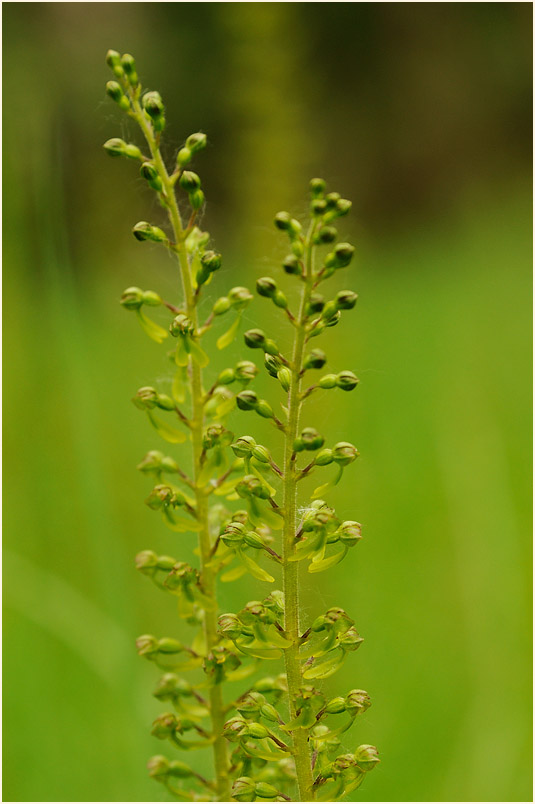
(428, 128)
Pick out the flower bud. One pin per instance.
(272, 364)
(331, 199)
(147, 645)
(221, 306)
(329, 310)
(254, 338)
(170, 645)
(179, 769)
(292, 265)
(113, 59)
(351, 640)
(129, 66)
(256, 730)
(145, 231)
(239, 297)
(310, 439)
(230, 626)
(132, 298)
(245, 371)
(350, 532)
(265, 790)
(150, 174)
(252, 539)
(261, 453)
(324, 457)
(113, 89)
(158, 766)
(344, 453)
(196, 199)
(226, 377)
(346, 381)
(247, 400)
(164, 726)
(264, 409)
(280, 300)
(243, 446)
(357, 701)
(271, 347)
(189, 181)
(346, 299)
(211, 260)
(315, 360)
(343, 205)
(284, 376)
(266, 286)
(151, 298)
(153, 105)
(234, 729)
(146, 560)
(344, 254)
(196, 142)
(181, 325)
(317, 187)
(171, 687)
(315, 303)
(283, 221)
(328, 381)
(243, 789)
(318, 207)
(336, 706)
(146, 398)
(366, 757)
(233, 534)
(118, 147)
(327, 234)
(183, 157)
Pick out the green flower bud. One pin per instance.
(181, 325)
(315, 303)
(147, 645)
(132, 298)
(216, 435)
(113, 59)
(272, 364)
(328, 381)
(171, 687)
(329, 310)
(211, 260)
(271, 347)
(292, 265)
(221, 306)
(357, 701)
(283, 221)
(233, 534)
(331, 200)
(344, 453)
(336, 706)
(366, 757)
(344, 254)
(269, 712)
(164, 726)
(350, 532)
(189, 181)
(256, 731)
(118, 147)
(317, 187)
(252, 539)
(160, 497)
(351, 640)
(179, 769)
(183, 157)
(346, 299)
(318, 207)
(250, 704)
(265, 790)
(261, 453)
(230, 626)
(245, 371)
(226, 377)
(146, 398)
(196, 142)
(170, 645)
(343, 205)
(153, 105)
(145, 231)
(284, 376)
(324, 457)
(196, 199)
(243, 446)
(280, 300)
(146, 560)
(113, 89)
(310, 439)
(264, 409)
(233, 730)
(334, 319)
(251, 485)
(247, 400)
(254, 338)
(150, 174)
(266, 286)
(158, 767)
(346, 380)
(129, 66)
(243, 789)
(315, 360)
(327, 234)
(239, 297)
(151, 298)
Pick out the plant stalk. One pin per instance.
(217, 708)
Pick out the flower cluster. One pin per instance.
(280, 739)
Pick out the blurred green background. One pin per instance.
(420, 113)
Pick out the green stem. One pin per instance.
(290, 571)
(217, 707)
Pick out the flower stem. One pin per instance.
(217, 708)
(290, 572)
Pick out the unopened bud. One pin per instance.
(254, 338)
(243, 789)
(230, 626)
(164, 726)
(357, 701)
(328, 381)
(315, 360)
(283, 220)
(158, 766)
(239, 297)
(266, 286)
(350, 532)
(247, 400)
(324, 457)
(151, 176)
(346, 380)
(132, 298)
(344, 253)
(189, 181)
(284, 376)
(346, 299)
(146, 560)
(147, 645)
(315, 304)
(245, 371)
(327, 234)
(264, 409)
(129, 66)
(211, 260)
(344, 453)
(118, 147)
(153, 105)
(196, 142)
(366, 757)
(145, 231)
(265, 790)
(256, 731)
(336, 706)
(292, 265)
(317, 187)
(221, 306)
(196, 199)
(183, 157)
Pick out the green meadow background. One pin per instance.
(421, 114)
